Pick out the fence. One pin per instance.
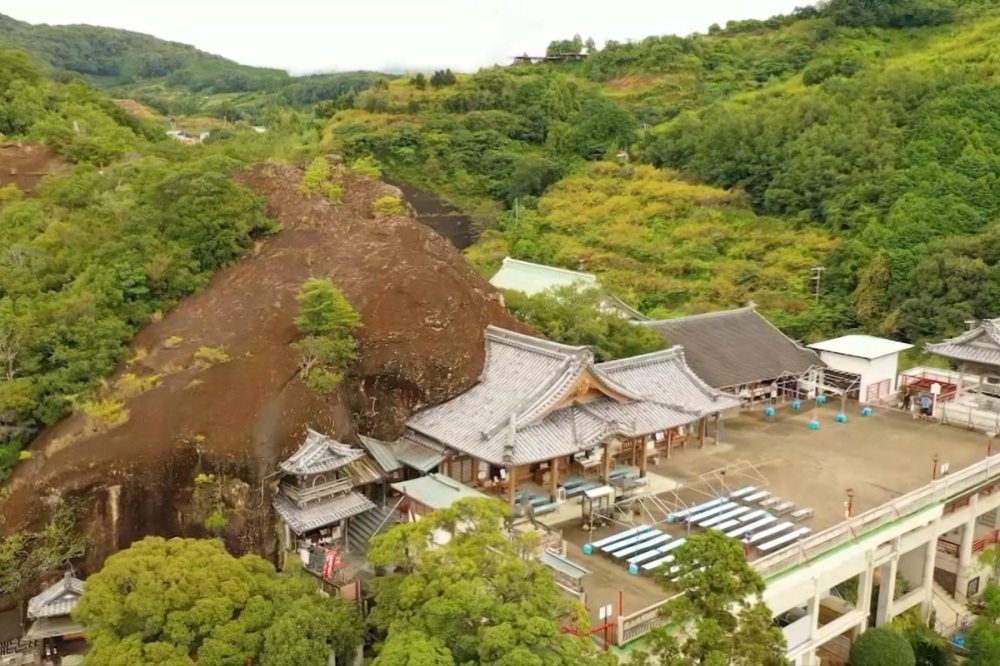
(637, 624)
(979, 545)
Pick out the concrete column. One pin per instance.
(866, 582)
(964, 561)
(814, 603)
(718, 422)
(606, 463)
(930, 558)
(702, 426)
(886, 592)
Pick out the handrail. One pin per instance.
(640, 622)
(933, 493)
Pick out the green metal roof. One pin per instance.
(531, 279)
(436, 491)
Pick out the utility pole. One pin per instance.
(817, 277)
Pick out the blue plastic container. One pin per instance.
(769, 411)
(633, 569)
(587, 549)
(814, 425)
(820, 399)
(841, 418)
(797, 405)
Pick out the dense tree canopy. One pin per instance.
(882, 646)
(718, 616)
(185, 601)
(474, 599)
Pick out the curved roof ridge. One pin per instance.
(532, 342)
(581, 274)
(668, 354)
(704, 315)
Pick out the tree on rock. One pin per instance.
(187, 601)
(718, 616)
(882, 646)
(462, 592)
(328, 322)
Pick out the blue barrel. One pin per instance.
(587, 549)
(797, 405)
(633, 569)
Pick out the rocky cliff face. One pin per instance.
(212, 387)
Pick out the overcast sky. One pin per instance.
(327, 35)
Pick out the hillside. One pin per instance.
(869, 129)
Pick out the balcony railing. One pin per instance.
(302, 496)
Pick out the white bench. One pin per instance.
(746, 490)
(728, 525)
(714, 511)
(783, 508)
(628, 546)
(722, 517)
(753, 515)
(650, 554)
(801, 514)
(750, 527)
(642, 546)
(784, 540)
(771, 501)
(607, 541)
(770, 532)
(649, 566)
(757, 497)
(681, 515)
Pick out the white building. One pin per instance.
(873, 360)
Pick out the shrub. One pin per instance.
(882, 647)
(334, 192)
(316, 175)
(209, 356)
(104, 415)
(365, 166)
(388, 206)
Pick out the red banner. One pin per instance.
(329, 563)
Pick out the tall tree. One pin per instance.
(185, 601)
(463, 591)
(718, 616)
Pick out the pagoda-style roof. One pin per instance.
(320, 514)
(537, 400)
(319, 454)
(979, 345)
(57, 599)
(735, 347)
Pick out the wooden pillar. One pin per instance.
(447, 464)
(553, 479)
(702, 426)
(606, 463)
(643, 457)
(511, 482)
(475, 471)
(718, 421)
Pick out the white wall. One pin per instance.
(871, 372)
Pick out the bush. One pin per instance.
(882, 647)
(388, 206)
(316, 175)
(365, 166)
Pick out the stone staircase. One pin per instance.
(363, 527)
(949, 612)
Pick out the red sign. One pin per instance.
(329, 563)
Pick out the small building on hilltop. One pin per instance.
(531, 279)
(539, 405)
(738, 351)
(316, 497)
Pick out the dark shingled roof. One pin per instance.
(735, 347)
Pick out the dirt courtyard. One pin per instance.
(880, 457)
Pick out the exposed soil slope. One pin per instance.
(423, 309)
(24, 164)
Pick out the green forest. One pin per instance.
(689, 173)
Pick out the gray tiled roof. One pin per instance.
(380, 451)
(363, 471)
(314, 516)
(436, 491)
(735, 347)
(319, 454)
(55, 600)
(417, 452)
(508, 417)
(980, 345)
